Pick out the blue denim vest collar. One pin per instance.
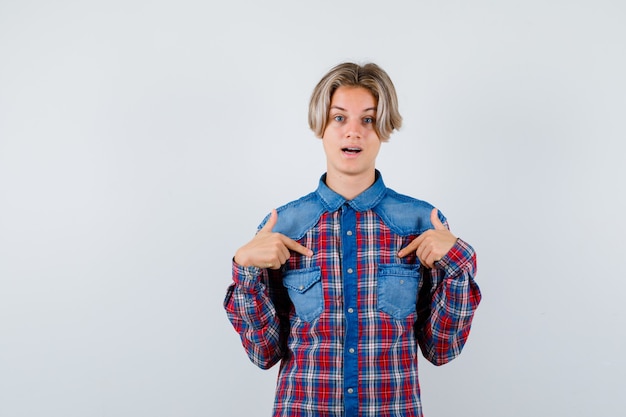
(364, 201)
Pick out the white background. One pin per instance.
(141, 142)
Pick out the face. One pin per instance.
(350, 139)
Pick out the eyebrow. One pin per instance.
(342, 109)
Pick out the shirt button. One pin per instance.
(351, 350)
(350, 390)
(350, 270)
(401, 281)
(350, 310)
(349, 232)
(301, 287)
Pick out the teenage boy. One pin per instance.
(342, 285)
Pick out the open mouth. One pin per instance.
(351, 151)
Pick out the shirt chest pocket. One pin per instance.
(398, 285)
(305, 291)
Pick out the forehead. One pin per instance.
(359, 98)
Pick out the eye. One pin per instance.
(368, 120)
(339, 118)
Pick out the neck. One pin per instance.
(350, 186)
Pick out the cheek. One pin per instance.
(330, 135)
(325, 144)
(375, 142)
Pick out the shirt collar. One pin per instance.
(362, 202)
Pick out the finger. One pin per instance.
(271, 222)
(272, 265)
(284, 251)
(278, 258)
(433, 258)
(428, 263)
(280, 252)
(434, 219)
(296, 247)
(424, 254)
(276, 263)
(410, 248)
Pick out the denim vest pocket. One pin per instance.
(305, 290)
(397, 289)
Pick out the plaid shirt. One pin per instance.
(346, 323)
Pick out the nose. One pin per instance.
(354, 129)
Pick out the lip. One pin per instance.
(351, 152)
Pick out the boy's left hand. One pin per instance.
(432, 245)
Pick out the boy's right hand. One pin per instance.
(268, 249)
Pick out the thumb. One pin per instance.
(271, 222)
(434, 219)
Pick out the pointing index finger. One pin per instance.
(296, 247)
(410, 248)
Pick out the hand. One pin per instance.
(432, 245)
(268, 249)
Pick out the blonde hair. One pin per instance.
(369, 76)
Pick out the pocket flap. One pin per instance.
(407, 270)
(300, 280)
